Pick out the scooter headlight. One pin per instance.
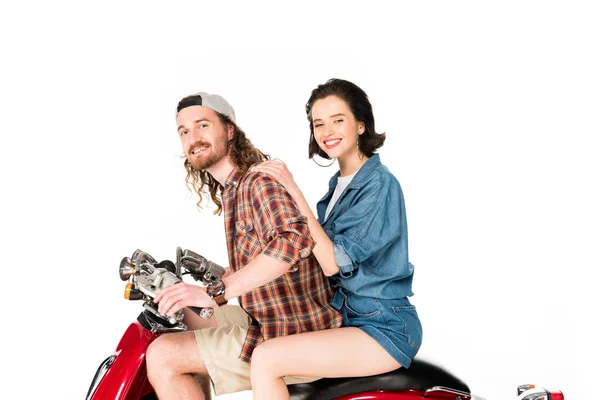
(126, 268)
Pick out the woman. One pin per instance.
(361, 245)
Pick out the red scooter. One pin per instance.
(122, 376)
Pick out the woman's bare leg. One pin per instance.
(332, 353)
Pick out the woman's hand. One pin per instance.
(278, 170)
(175, 297)
(323, 249)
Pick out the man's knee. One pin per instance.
(169, 355)
(158, 357)
(163, 355)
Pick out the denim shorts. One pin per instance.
(394, 324)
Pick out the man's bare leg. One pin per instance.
(175, 367)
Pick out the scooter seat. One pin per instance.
(420, 376)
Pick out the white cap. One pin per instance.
(212, 101)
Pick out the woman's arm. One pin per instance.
(323, 249)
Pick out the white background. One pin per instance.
(492, 116)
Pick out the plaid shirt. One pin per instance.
(260, 217)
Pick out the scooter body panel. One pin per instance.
(126, 378)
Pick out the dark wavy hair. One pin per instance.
(358, 102)
(242, 153)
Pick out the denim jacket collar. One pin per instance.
(360, 177)
(357, 182)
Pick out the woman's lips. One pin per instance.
(331, 143)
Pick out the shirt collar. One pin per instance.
(233, 179)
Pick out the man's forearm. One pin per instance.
(260, 271)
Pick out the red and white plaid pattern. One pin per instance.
(261, 217)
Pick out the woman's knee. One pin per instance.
(264, 361)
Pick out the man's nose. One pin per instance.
(195, 135)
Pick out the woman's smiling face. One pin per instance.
(335, 128)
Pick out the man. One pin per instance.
(278, 283)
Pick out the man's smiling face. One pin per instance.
(204, 138)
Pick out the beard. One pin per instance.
(216, 154)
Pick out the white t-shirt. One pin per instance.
(342, 184)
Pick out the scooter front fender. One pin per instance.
(122, 376)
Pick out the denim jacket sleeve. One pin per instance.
(370, 224)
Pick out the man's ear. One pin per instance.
(230, 132)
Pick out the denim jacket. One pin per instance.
(368, 229)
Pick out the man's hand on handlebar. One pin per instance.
(173, 298)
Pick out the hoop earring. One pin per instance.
(312, 137)
(320, 165)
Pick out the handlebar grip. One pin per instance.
(204, 313)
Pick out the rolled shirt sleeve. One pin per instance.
(281, 226)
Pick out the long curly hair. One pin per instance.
(242, 153)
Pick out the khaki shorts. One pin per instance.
(221, 347)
